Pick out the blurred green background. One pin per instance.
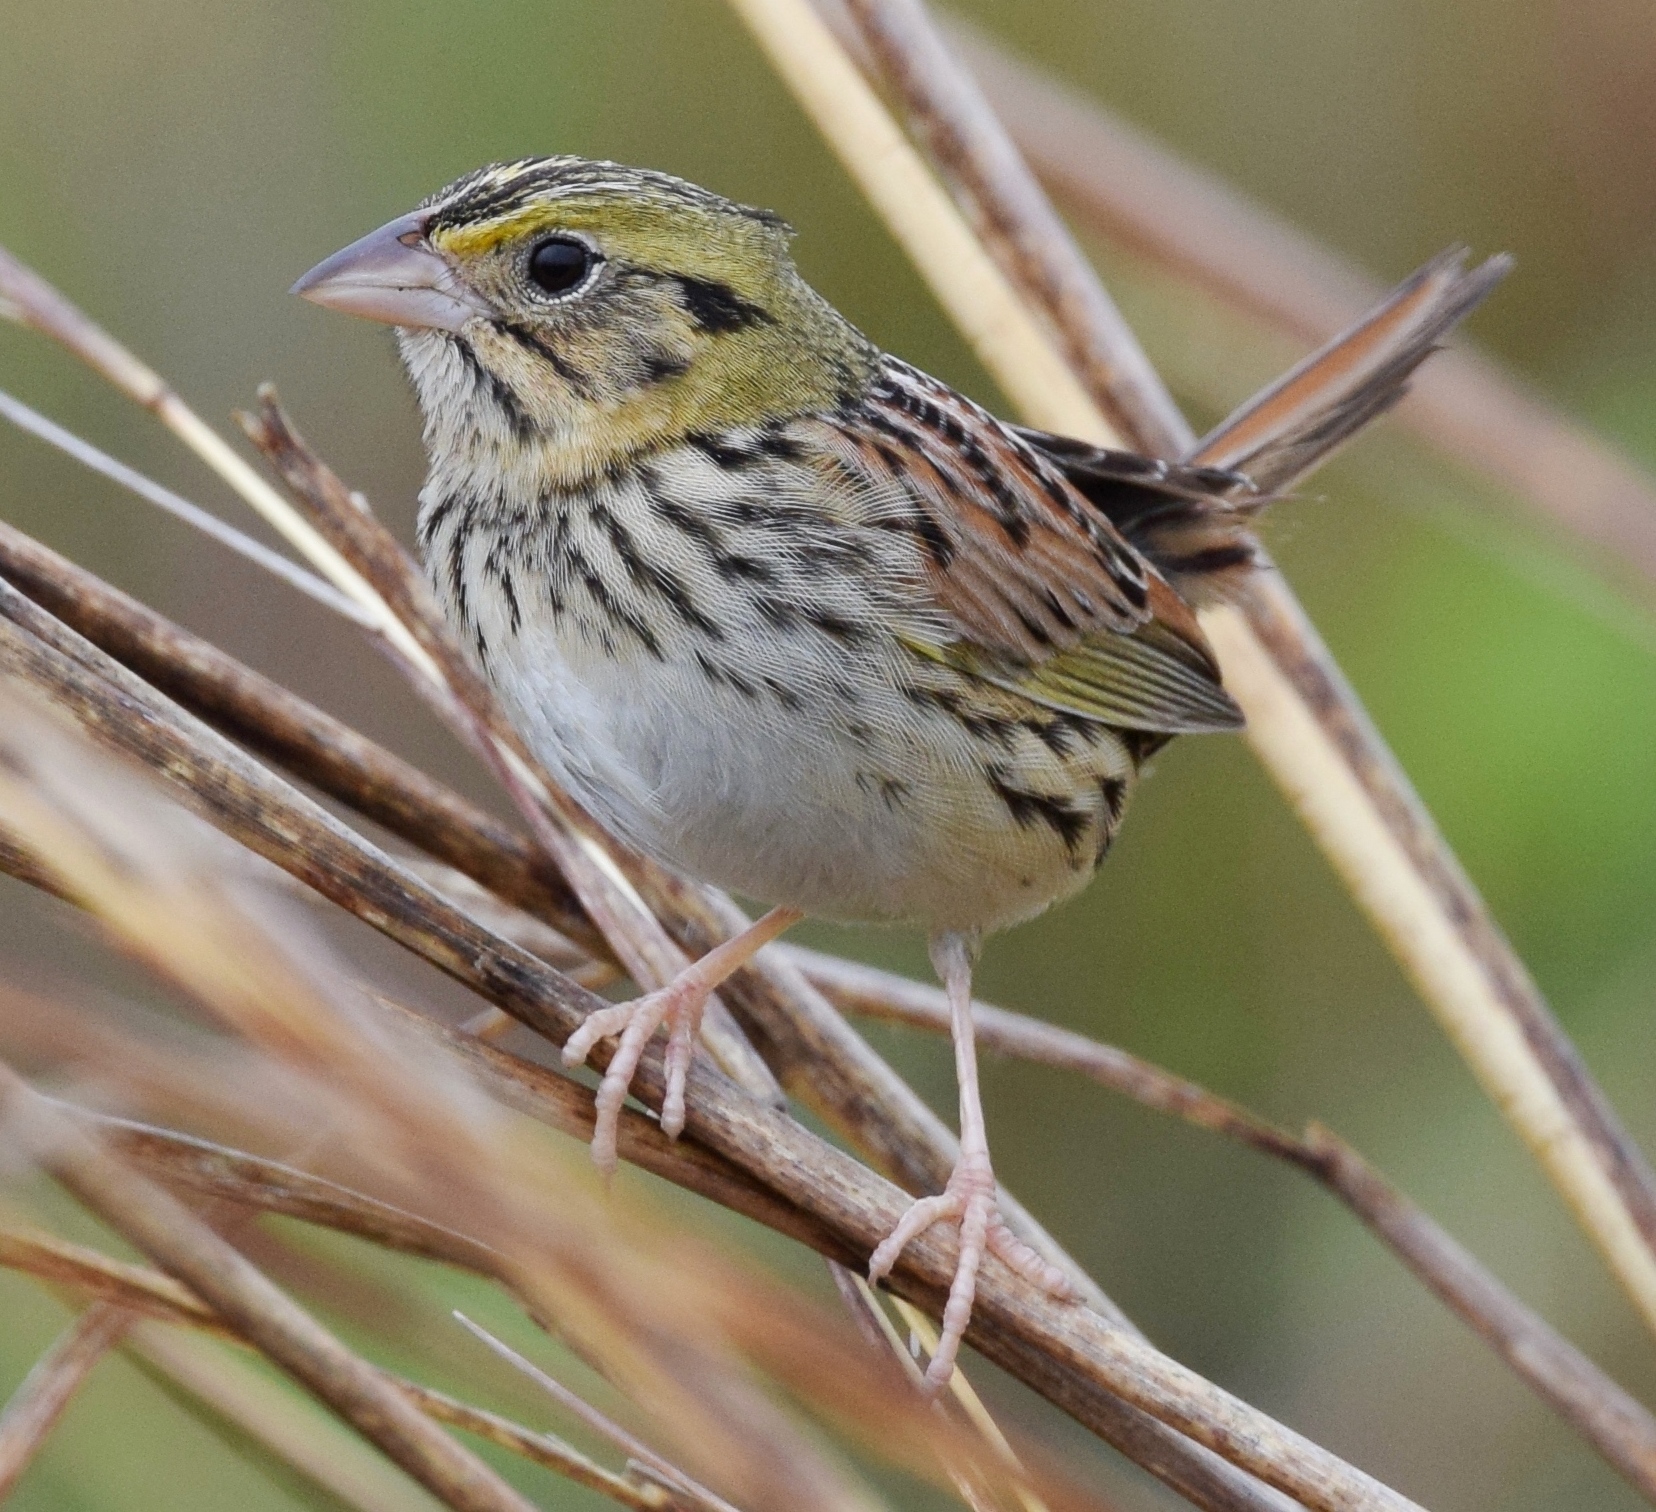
(173, 165)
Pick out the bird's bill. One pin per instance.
(394, 275)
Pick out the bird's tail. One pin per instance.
(1296, 424)
(1194, 519)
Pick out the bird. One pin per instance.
(795, 618)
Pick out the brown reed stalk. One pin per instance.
(637, 1451)
(33, 1411)
(77, 1268)
(132, 1292)
(168, 1232)
(224, 1388)
(1608, 1417)
(1305, 722)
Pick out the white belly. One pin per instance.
(778, 803)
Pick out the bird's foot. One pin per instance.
(968, 1201)
(679, 1005)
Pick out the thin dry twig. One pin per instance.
(877, 1325)
(44, 1396)
(25, 297)
(255, 1407)
(545, 1449)
(186, 1163)
(92, 1274)
(1304, 720)
(169, 1233)
(224, 1387)
(35, 424)
(600, 1423)
(1606, 1415)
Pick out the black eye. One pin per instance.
(558, 264)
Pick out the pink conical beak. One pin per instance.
(395, 275)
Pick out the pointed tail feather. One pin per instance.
(1194, 519)
(1278, 436)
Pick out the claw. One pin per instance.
(969, 1201)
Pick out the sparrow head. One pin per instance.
(598, 309)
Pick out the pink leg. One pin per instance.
(679, 1005)
(969, 1198)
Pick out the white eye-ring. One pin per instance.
(560, 264)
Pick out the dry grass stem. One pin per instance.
(1305, 722)
(25, 297)
(545, 1449)
(185, 1247)
(184, 1163)
(922, 1332)
(270, 1416)
(601, 1424)
(99, 1277)
(224, 1387)
(1610, 1419)
(1136, 193)
(961, 273)
(40, 1402)
(273, 562)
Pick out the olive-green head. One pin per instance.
(601, 308)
